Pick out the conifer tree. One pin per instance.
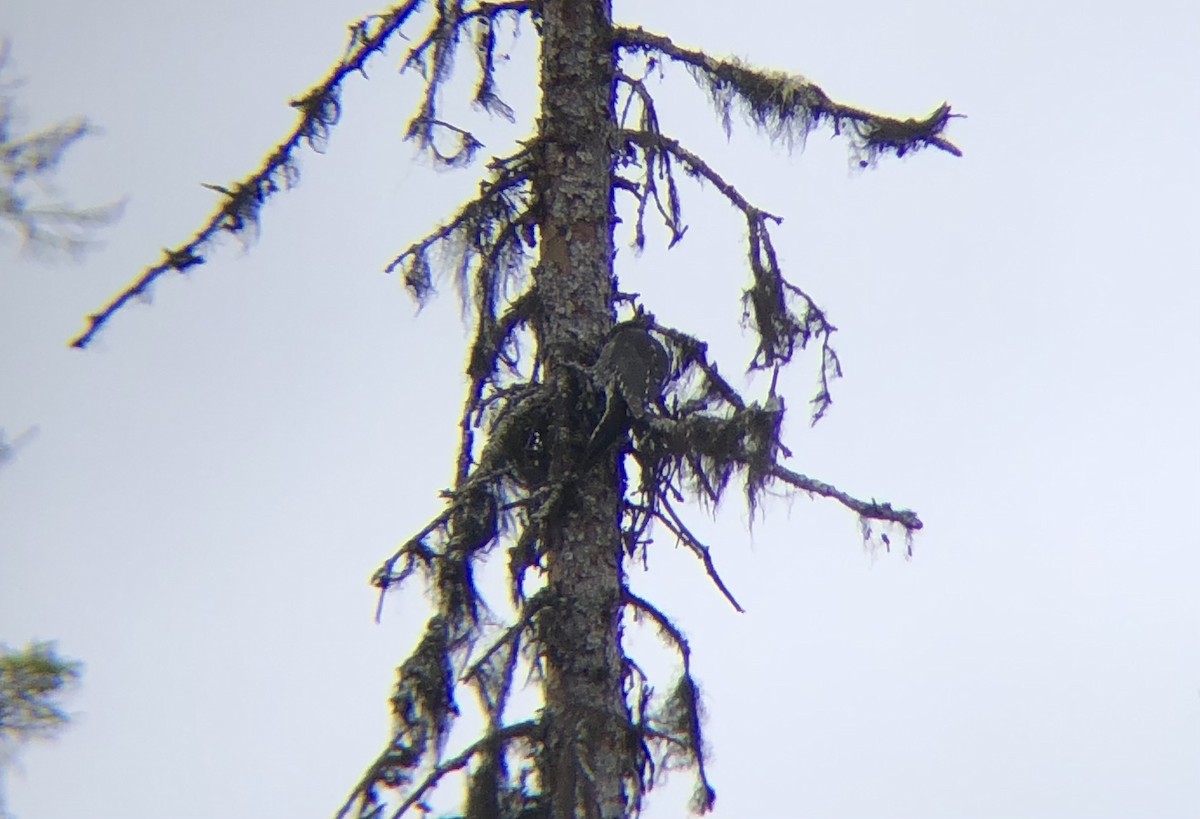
(30, 207)
(33, 681)
(587, 423)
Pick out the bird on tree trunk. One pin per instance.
(632, 370)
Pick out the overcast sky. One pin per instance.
(214, 481)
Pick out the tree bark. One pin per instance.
(590, 762)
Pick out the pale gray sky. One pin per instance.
(216, 479)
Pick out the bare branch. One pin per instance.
(318, 111)
(684, 535)
(695, 167)
(872, 510)
(529, 729)
(511, 635)
(433, 56)
(525, 729)
(413, 549)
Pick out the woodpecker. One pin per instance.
(632, 370)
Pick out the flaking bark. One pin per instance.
(592, 766)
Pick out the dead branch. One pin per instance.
(317, 112)
(783, 97)
(414, 549)
(872, 510)
(696, 167)
(684, 535)
(521, 730)
(681, 644)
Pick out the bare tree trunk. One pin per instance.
(591, 758)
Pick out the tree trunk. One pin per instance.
(591, 763)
